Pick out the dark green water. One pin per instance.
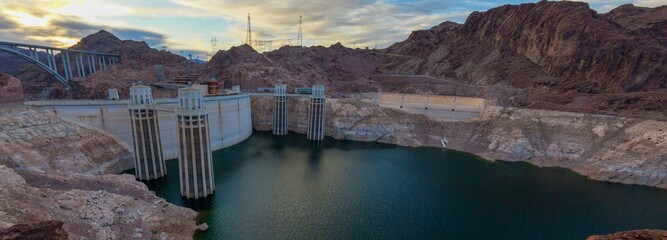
(287, 188)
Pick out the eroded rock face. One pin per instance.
(646, 234)
(91, 207)
(569, 40)
(40, 140)
(11, 90)
(296, 66)
(44, 230)
(606, 148)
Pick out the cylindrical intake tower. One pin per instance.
(195, 160)
(280, 110)
(316, 114)
(148, 159)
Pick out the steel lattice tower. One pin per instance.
(248, 38)
(299, 37)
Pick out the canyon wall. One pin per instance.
(11, 90)
(605, 148)
(40, 140)
(54, 170)
(91, 207)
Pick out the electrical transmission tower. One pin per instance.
(299, 37)
(248, 38)
(214, 46)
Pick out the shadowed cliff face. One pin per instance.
(295, 66)
(556, 55)
(10, 89)
(569, 40)
(45, 230)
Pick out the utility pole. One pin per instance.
(299, 37)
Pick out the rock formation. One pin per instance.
(555, 55)
(40, 140)
(10, 89)
(91, 207)
(58, 174)
(546, 55)
(44, 230)
(645, 234)
(606, 148)
(296, 66)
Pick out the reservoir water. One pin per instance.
(289, 188)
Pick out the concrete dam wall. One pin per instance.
(229, 116)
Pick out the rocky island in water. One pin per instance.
(130, 139)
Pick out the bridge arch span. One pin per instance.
(85, 62)
(53, 72)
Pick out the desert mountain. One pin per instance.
(551, 55)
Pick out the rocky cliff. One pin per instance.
(40, 140)
(570, 41)
(547, 55)
(11, 90)
(55, 170)
(555, 55)
(645, 234)
(44, 230)
(335, 66)
(606, 148)
(91, 207)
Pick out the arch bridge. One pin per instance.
(47, 58)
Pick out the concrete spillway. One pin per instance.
(229, 119)
(195, 159)
(148, 158)
(280, 110)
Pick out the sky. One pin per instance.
(188, 26)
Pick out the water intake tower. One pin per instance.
(148, 159)
(195, 159)
(280, 110)
(316, 114)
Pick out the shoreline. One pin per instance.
(473, 155)
(599, 147)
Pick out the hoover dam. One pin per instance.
(380, 120)
(229, 117)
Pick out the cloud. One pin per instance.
(351, 22)
(6, 23)
(152, 38)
